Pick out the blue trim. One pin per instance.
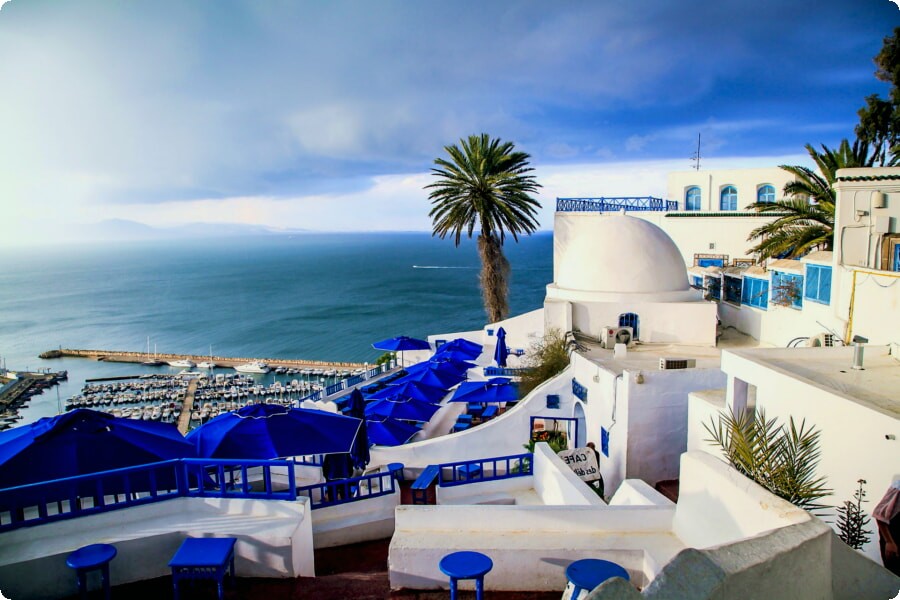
(615, 204)
(579, 391)
(755, 293)
(631, 320)
(818, 284)
(693, 198)
(765, 193)
(728, 198)
(504, 371)
(552, 400)
(485, 469)
(345, 491)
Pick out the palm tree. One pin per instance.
(486, 183)
(805, 216)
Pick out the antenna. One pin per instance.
(695, 157)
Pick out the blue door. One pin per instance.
(630, 320)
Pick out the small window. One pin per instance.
(713, 288)
(787, 289)
(733, 289)
(711, 262)
(696, 281)
(630, 320)
(728, 198)
(692, 199)
(765, 193)
(755, 293)
(818, 284)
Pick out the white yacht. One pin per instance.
(183, 363)
(206, 364)
(253, 367)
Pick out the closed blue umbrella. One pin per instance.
(84, 441)
(445, 379)
(272, 431)
(410, 410)
(410, 389)
(497, 389)
(390, 432)
(501, 351)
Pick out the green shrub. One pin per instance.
(546, 358)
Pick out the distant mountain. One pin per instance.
(123, 229)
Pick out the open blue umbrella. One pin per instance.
(451, 354)
(273, 431)
(84, 441)
(463, 345)
(496, 389)
(437, 377)
(401, 343)
(410, 410)
(390, 432)
(501, 351)
(356, 408)
(410, 389)
(454, 367)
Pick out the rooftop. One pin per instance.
(875, 386)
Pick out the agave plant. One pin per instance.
(782, 459)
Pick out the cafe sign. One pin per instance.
(583, 463)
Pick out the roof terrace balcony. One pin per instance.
(616, 204)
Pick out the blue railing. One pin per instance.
(49, 501)
(629, 203)
(504, 371)
(344, 491)
(579, 391)
(373, 372)
(485, 469)
(334, 388)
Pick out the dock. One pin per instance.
(184, 419)
(124, 356)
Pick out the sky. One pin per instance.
(328, 115)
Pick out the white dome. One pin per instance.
(598, 254)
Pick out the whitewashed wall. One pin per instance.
(555, 483)
(660, 322)
(710, 182)
(355, 522)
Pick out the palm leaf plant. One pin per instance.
(782, 459)
(485, 183)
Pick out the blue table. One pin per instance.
(396, 469)
(588, 573)
(466, 565)
(89, 558)
(203, 558)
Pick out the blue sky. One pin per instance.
(327, 115)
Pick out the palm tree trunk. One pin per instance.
(494, 277)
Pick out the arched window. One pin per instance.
(765, 193)
(692, 198)
(630, 320)
(728, 198)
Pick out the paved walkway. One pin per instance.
(357, 572)
(184, 420)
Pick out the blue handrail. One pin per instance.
(505, 371)
(485, 469)
(615, 204)
(39, 503)
(344, 491)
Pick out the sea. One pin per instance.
(320, 296)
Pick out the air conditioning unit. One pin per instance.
(610, 336)
(667, 363)
(821, 339)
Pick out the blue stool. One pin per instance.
(89, 558)
(466, 565)
(588, 573)
(203, 558)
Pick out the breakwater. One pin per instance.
(222, 361)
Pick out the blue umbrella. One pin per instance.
(445, 379)
(501, 351)
(451, 354)
(454, 367)
(463, 345)
(401, 343)
(272, 431)
(356, 408)
(390, 432)
(497, 389)
(410, 410)
(411, 389)
(84, 441)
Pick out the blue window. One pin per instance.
(755, 292)
(733, 289)
(692, 198)
(710, 262)
(818, 284)
(787, 289)
(604, 441)
(696, 281)
(714, 287)
(728, 198)
(765, 193)
(896, 264)
(630, 320)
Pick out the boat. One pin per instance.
(184, 363)
(253, 367)
(206, 364)
(151, 361)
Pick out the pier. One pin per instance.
(222, 361)
(184, 420)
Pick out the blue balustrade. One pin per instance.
(344, 491)
(485, 469)
(615, 204)
(504, 371)
(45, 502)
